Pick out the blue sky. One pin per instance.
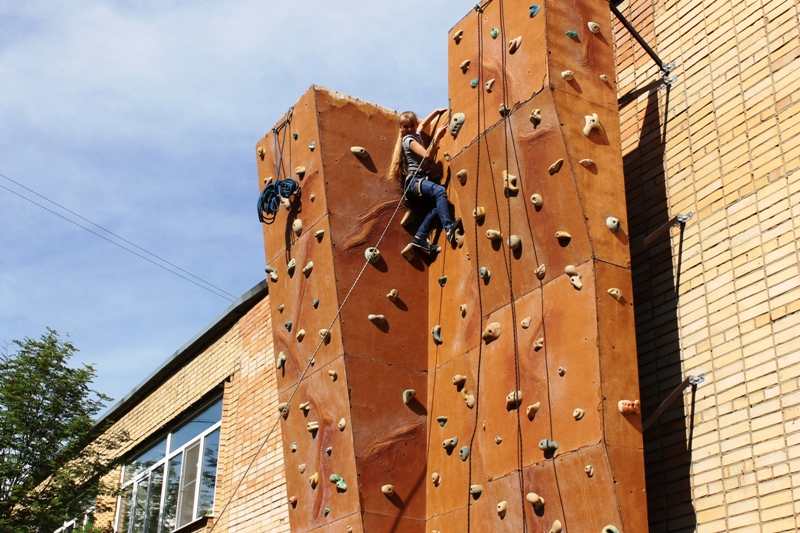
(143, 117)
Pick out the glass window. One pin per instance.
(172, 483)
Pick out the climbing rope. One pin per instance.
(269, 201)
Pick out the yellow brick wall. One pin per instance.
(241, 360)
(731, 156)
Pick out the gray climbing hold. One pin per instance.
(297, 226)
(442, 281)
(359, 151)
(531, 410)
(280, 308)
(461, 176)
(535, 10)
(271, 273)
(563, 236)
(474, 82)
(301, 468)
(484, 273)
(290, 266)
(312, 145)
(449, 444)
(408, 395)
(456, 122)
(498, 440)
(319, 234)
(436, 332)
(442, 420)
(488, 85)
(315, 303)
(514, 242)
(281, 361)
(308, 268)
(312, 197)
(513, 44)
(555, 167)
(603, 78)
(612, 223)
(463, 453)
(548, 445)
(491, 332)
(372, 254)
(592, 124)
(288, 325)
(494, 33)
(538, 344)
(376, 319)
(283, 409)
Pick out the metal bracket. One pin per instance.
(697, 380)
(683, 219)
(692, 381)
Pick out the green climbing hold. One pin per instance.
(572, 34)
(294, 135)
(372, 254)
(442, 420)
(340, 484)
(315, 303)
(474, 82)
(534, 10)
(494, 33)
(327, 511)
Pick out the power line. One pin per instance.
(214, 289)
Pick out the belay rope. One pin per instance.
(269, 201)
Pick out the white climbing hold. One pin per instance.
(491, 332)
(408, 395)
(526, 322)
(537, 201)
(312, 426)
(563, 236)
(586, 162)
(319, 234)
(502, 507)
(308, 268)
(589, 469)
(478, 212)
(568, 75)
(504, 110)
(292, 500)
(514, 242)
(387, 489)
(613, 224)
(408, 252)
(555, 167)
(464, 66)
(531, 410)
(325, 335)
(538, 344)
(333, 375)
(475, 490)
(489, 85)
(305, 406)
(436, 478)
(594, 27)
(459, 237)
(536, 117)
(485, 274)
(376, 319)
(592, 123)
(469, 399)
(603, 78)
(436, 333)
(408, 218)
(463, 309)
(342, 424)
(535, 500)
(627, 407)
(301, 468)
(450, 444)
(574, 276)
(290, 266)
(540, 271)
(359, 151)
(461, 176)
(493, 234)
(283, 410)
(392, 295)
(509, 183)
(459, 380)
(297, 226)
(556, 527)
(561, 371)
(300, 171)
(281, 361)
(615, 293)
(513, 399)
(457, 36)
(578, 413)
(301, 335)
(513, 45)
(261, 152)
(312, 197)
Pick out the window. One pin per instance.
(172, 482)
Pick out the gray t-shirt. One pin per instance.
(410, 159)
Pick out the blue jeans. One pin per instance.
(432, 191)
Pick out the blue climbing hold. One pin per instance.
(312, 145)
(288, 326)
(463, 453)
(474, 82)
(494, 33)
(535, 10)
(315, 303)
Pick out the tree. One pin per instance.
(52, 457)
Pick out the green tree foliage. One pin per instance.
(52, 458)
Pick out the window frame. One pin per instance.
(144, 475)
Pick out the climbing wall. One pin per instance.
(492, 386)
(527, 432)
(356, 423)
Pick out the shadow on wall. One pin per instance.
(666, 447)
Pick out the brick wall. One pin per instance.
(720, 298)
(241, 360)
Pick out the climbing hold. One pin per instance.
(293, 501)
(312, 426)
(609, 529)
(408, 218)
(613, 224)
(494, 33)
(281, 362)
(461, 176)
(408, 395)
(301, 335)
(315, 303)
(594, 27)
(300, 171)
(372, 254)
(615, 293)
(469, 399)
(589, 469)
(484, 273)
(475, 490)
(436, 478)
(504, 110)
(442, 420)
(312, 145)
(502, 507)
(540, 271)
(536, 117)
(333, 375)
(436, 332)
(319, 234)
(297, 227)
(459, 380)
(308, 268)
(293, 447)
(555, 167)
(463, 309)
(531, 410)
(586, 162)
(442, 281)
(574, 276)
(493, 234)
(546, 445)
(305, 407)
(534, 10)
(538, 344)
(290, 266)
(294, 135)
(302, 468)
(568, 75)
(572, 34)
(463, 453)
(561, 371)
(325, 335)
(498, 440)
(474, 82)
(603, 78)
(478, 212)
(509, 183)
(261, 152)
(408, 252)
(592, 123)
(627, 407)
(340, 484)
(314, 479)
(526, 322)
(271, 272)
(563, 236)
(359, 151)
(578, 413)
(376, 319)
(459, 236)
(446, 155)
(457, 36)
(449, 444)
(513, 399)
(456, 122)
(392, 295)
(556, 528)
(312, 197)
(342, 424)
(288, 325)
(491, 332)
(488, 85)
(280, 308)
(535, 500)
(537, 201)
(387, 489)
(326, 511)
(513, 44)
(464, 66)
(514, 242)
(283, 409)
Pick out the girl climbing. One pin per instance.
(411, 165)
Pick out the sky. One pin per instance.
(142, 117)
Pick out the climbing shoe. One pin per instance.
(451, 231)
(422, 243)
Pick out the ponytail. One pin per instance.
(395, 171)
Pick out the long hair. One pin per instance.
(395, 171)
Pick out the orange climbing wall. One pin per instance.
(565, 353)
